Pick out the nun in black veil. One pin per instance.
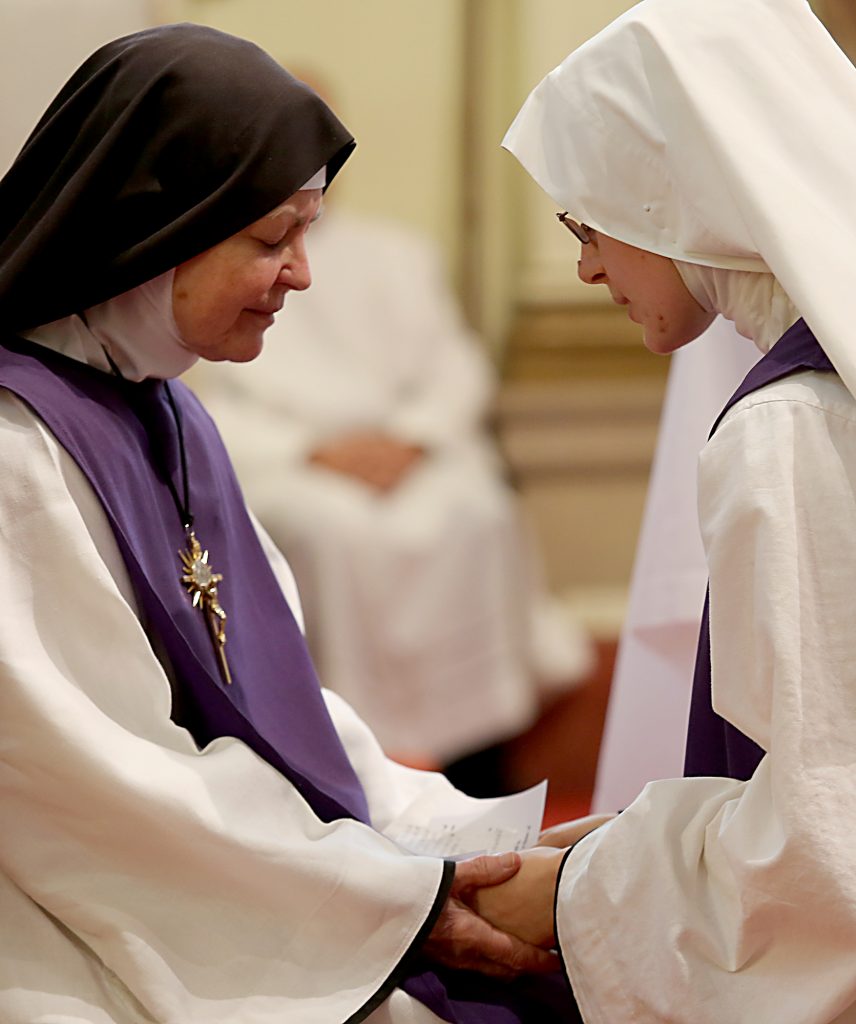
(194, 829)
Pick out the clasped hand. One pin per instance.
(498, 918)
(462, 938)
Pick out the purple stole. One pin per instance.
(274, 704)
(714, 746)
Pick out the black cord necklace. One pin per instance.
(197, 576)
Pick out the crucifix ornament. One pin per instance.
(201, 582)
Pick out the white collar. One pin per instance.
(137, 329)
(755, 303)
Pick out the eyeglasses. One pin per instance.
(580, 231)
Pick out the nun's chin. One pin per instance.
(664, 337)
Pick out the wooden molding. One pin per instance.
(551, 343)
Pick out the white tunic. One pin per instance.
(420, 604)
(142, 879)
(709, 900)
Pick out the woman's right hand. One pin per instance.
(463, 939)
(523, 906)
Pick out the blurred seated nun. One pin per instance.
(194, 831)
(358, 437)
(707, 174)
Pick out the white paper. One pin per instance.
(495, 825)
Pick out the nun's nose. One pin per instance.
(296, 273)
(590, 269)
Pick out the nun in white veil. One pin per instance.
(649, 699)
(706, 154)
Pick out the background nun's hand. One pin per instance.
(462, 939)
(375, 459)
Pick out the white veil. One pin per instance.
(721, 134)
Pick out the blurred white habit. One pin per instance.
(422, 601)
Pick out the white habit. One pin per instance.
(301, 921)
(710, 900)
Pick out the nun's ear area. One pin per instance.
(161, 145)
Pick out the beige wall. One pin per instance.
(395, 71)
(41, 43)
(513, 251)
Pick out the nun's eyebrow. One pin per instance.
(295, 220)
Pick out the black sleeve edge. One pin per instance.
(401, 969)
(568, 852)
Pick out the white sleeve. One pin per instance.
(197, 885)
(710, 900)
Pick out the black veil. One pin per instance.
(160, 145)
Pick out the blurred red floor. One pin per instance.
(563, 745)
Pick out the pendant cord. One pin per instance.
(181, 506)
(198, 576)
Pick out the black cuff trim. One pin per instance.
(568, 852)
(402, 969)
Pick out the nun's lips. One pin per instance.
(620, 300)
(262, 315)
(268, 310)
